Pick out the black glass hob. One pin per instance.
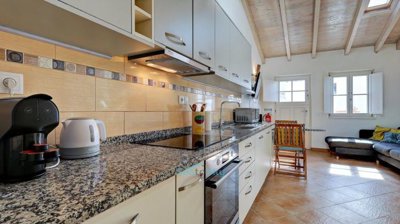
(189, 141)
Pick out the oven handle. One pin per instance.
(219, 182)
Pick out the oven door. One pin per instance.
(222, 195)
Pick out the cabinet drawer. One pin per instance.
(246, 198)
(247, 176)
(248, 159)
(159, 200)
(246, 145)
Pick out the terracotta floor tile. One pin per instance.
(269, 210)
(384, 220)
(344, 215)
(253, 218)
(287, 220)
(316, 217)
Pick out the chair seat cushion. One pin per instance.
(347, 142)
(395, 153)
(385, 148)
(290, 148)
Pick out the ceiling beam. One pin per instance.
(362, 6)
(317, 9)
(254, 30)
(282, 6)
(398, 45)
(394, 17)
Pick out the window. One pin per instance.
(354, 94)
(292, 91)
(378, 4)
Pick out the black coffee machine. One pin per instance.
(24, 126)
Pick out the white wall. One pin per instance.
(235, 10)
(386, 61)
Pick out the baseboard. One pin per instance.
(320, 149)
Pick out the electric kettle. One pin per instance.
(80, 138)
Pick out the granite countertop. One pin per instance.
(79, 189)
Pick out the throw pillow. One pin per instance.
(390, 137)
(378, 133)
(396, 131)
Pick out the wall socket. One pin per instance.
(183, 100)
(19, 78)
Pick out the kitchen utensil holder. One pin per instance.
(198, 123)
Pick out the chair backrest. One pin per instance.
(285, 122)
(289, 135)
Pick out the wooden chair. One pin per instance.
(285, 122)
(290, 149)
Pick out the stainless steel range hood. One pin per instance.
(170, 61)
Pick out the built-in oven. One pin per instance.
(222, 187)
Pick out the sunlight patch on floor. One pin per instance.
(362, 172)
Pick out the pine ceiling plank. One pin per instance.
(285, 28)
(369, 30)
(394, 35)
(394, 18)
(317, 8)
(356, 23)
(398, 45)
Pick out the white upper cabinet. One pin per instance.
(173, 25)
(240, 58)
(117, 14)
(204, 31)
(222, 31)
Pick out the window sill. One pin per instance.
(363, 116)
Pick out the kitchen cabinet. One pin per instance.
(204, 31)
(263, 161)
(116, 15)
(155, 205)
(222, 36)
(173, 25)
(190, 195)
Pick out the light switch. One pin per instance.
(19, 79)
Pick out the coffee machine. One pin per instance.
(24, 126)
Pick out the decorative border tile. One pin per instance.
(49, 63)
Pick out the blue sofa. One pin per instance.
(364, 147)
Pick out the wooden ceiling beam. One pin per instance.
(362, 6)
(282, 6)
(394, 17)
(254, 30)
(317, 8)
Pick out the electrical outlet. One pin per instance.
(183, 100)
(19, 78)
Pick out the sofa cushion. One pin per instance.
(385, 148)
(390, 137)
(346, 142)
(395, 153)
(378, 133)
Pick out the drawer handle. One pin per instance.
(223, 68)
(235, 75)
(175, 39)
(268, 133)
(248, 145)
(246, 81)
(134, 219)
(204, 55)
(250, 189)
(199, 180)
(261, 137)
(248, 176)
(249, 159)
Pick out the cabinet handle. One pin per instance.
(248, 145)
(134, 219)
(175, 39)
(204, 55)
(250, 189)
(249, 159)
(199, 180)
(261, 137)
(246, 81)
(235, 75)
(223, 68)
(248, 176)
(268, 133)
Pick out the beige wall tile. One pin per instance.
(70, 92)
(114, 121)
(176, 119)
(136, 122)
(114, 95)
(26, 45)
(116, 64)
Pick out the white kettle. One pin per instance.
(80, 138)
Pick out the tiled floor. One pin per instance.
(344, 191)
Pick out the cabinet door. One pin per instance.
(155, 205)
(246, 67)
(115, 13)
(222, 31)
(204, 31)
(235, 55)
(190, 195)
(173, 25)
(262, 163)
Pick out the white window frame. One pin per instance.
(293, 78)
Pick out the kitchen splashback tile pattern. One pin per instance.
(123, 94)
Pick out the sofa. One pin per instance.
(365, 147)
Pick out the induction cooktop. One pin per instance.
(189, 141)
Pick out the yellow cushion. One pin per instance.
(396, 131)
(379, 131)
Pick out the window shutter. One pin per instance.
(376, 93)
(328, 95)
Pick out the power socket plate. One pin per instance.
(19, 89)
(183, 100)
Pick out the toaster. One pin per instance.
(246, 115)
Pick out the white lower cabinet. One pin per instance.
(190, 195)
(155, 205)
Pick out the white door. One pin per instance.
(294, 101)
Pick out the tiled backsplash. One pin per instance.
(129, 98)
